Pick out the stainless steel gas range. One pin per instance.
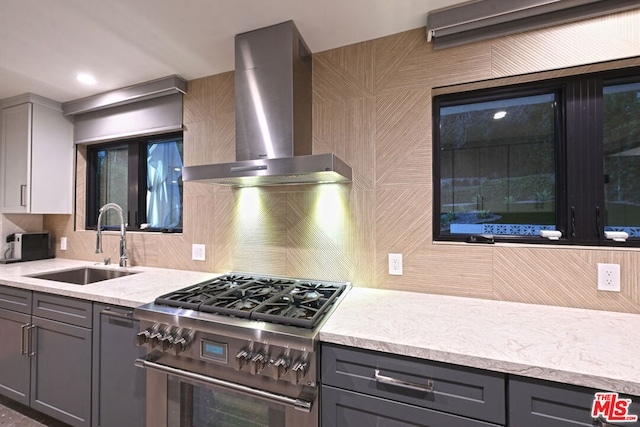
(238, 350)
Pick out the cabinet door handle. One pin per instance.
(30, 339)
(23, 349)
(23, 188)
(428, 387)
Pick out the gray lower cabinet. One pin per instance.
(60, 348)
(61, 371)
(342, 408)
(119, 388)
(534, 403)
(71, 359)
(15, 318)
(46, 353)
(362, 387)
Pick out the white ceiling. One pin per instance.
(45, 43)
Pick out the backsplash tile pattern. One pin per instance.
(403, 139)
(372, 107)
(564, 275)
(608, 38)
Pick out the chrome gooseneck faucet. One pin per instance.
(123, 230)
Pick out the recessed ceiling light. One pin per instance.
(86, 78)
(499, 115)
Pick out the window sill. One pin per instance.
(537, 246)
(117, 232)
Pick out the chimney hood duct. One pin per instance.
(273, 116)
(484, 19)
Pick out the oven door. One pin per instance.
(178, 398)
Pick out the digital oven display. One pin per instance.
(214, 351)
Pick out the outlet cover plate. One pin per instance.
(197, 252)
(395, 264)
(609, 277)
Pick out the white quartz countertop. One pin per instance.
(127, 291)
(590, 348)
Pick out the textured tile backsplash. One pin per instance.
(372, 107)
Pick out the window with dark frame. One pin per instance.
(142, 175)
(561, 156)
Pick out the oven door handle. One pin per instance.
(299, 404)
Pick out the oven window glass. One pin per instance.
(194, 405)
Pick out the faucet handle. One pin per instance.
(107, 261)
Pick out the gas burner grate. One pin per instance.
(202, 293)
(302, 305)
(242, 300)
(271, 299)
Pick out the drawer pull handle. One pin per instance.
(428, 387)
(602, 423)
(126, 315)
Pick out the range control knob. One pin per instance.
(183, 340)
(155, 336)
(299, 369)
(142, 337)
(258, 362)
(243, 358)
(282, 364)
(166, 341)
(181, 344)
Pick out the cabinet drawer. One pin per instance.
(63, 309)
(15, 299)
(456, 390)
(535, 403)
(342, 408)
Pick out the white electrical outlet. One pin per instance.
(197, 252)
(63, 243)
(609, 277)
(395, 264)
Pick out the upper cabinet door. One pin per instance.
(36, 159)
(14, 153)
(51, 174)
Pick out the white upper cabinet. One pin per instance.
(36, 157)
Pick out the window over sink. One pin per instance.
(143, 176)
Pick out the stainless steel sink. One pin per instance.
(83, 275)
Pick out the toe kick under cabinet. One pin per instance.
(362, 387)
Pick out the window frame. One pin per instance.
(137, 177)
(576, 122)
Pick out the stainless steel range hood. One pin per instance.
(273, 116)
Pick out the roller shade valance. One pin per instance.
(144, 109)
(477, 20)
(152, 116)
